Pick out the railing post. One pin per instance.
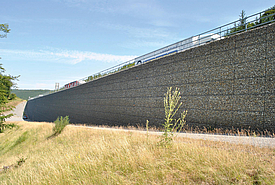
(260, 19)
(245, 23)
(199, 39)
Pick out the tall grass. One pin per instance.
(90, 156)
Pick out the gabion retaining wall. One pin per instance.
(225, 83)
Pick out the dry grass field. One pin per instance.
(82, 155)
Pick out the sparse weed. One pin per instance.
(147, 129)
(171, 124)
(20, 161)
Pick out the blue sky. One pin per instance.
(65, 40)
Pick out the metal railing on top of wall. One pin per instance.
(240, 25)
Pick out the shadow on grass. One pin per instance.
(52, 136)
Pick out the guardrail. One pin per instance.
(240, 25)
(218, 33)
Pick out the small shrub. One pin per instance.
(60, 124)
(171, 105)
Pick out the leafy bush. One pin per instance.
(60, 124)
(12, 96)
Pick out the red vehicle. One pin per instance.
(73, 84)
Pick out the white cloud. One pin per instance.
(63, 56)
(138, 32)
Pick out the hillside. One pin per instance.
(81, 155)
(25, 93)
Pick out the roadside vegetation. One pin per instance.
(59, 153)
(105, 74)
(82, 155)
(59, 124)
(264, 18)
(171, 123)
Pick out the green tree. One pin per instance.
(5, 29)
(267, 16)
(242, 20)
(241, 24)
(6, 82)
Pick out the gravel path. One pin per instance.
(18, 112)
(255, 141)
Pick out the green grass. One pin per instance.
(82, 155)
(25, 93)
